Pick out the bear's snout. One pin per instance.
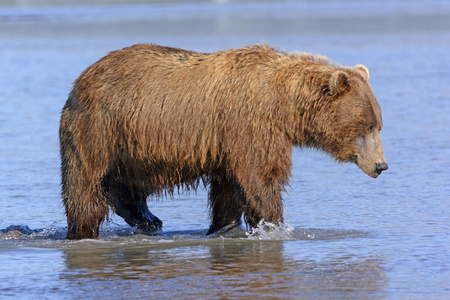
(380, 167)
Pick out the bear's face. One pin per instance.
(368, 150)
(358, 119)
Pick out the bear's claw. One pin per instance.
(149, 222)
(217, 229)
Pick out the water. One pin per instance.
(347, 235)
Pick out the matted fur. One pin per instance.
(145, 119)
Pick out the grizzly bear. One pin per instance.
(147, 119)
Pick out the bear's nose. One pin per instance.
(380, 167)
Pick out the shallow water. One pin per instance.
(347, 235)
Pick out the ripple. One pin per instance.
(119, 236)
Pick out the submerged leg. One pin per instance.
(226, 201)
(132, 207)
(265, 204)
(85, 213)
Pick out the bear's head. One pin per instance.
(355, 119)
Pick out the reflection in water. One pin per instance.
(220, 267)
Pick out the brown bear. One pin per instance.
(146, 119)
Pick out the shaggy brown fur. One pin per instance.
(145, 119)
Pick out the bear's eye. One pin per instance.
(370, 127)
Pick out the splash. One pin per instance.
(269, 231)
(118, 236)
(24, 232)
(16, 231)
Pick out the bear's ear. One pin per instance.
(361, 69)
(339, 83)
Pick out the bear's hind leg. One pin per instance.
(84, 215)
(132, 207)
(226, 201)
(84, 201)
(85, 231)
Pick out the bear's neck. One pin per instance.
(305, 85)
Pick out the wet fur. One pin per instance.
(146, 119)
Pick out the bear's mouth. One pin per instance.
(371, 170)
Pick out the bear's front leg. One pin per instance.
(226, 201)
(270, 212)
(263, 202)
